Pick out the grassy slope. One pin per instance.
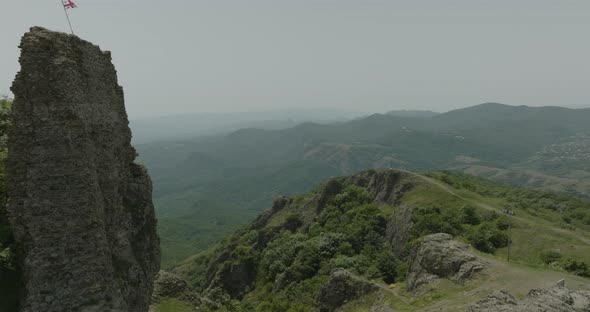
(532, 231)
(518, 279)
(526, 177)
(172, 305)
(530, 235)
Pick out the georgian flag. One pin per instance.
(68, 4)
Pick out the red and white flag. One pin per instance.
(68, 4)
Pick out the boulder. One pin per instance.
(439, 256)
(499, 301)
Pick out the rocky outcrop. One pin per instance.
(399, 230)
(342, 287)
(556, 299)
(384, 186)
(168, 285)
(439, 256)
(80, 209)
(501, 301)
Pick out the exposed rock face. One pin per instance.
(439, 256)
(342, 287)
(384, 186)
(81, 210)
(501, 301)
(555, 299)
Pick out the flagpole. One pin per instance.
(67, 16)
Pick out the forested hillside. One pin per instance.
(220, 182)
(354, 243)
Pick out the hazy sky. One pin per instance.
(176, 56)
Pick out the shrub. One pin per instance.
(346, 249)
(345, 262)
(490, 216)
(550, 256)
(487, 237)
(293, 222)
(503, 223)
(576, 267)
(6, 259)
(402, 271)
(479, 237)
(436, 220)
(351, 197)
(387, 265)
(499, 239)
(276, 305)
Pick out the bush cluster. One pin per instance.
(349, 233)
(485, 232)
(555, 259)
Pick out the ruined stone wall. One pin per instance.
(81, 210)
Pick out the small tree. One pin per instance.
(470, 215)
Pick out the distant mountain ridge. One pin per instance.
(413, 113)
(187, 126)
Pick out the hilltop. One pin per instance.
(376, 231)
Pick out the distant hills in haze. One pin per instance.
(412, 113)
(205, 187)
(191, 125)
(185, 126)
